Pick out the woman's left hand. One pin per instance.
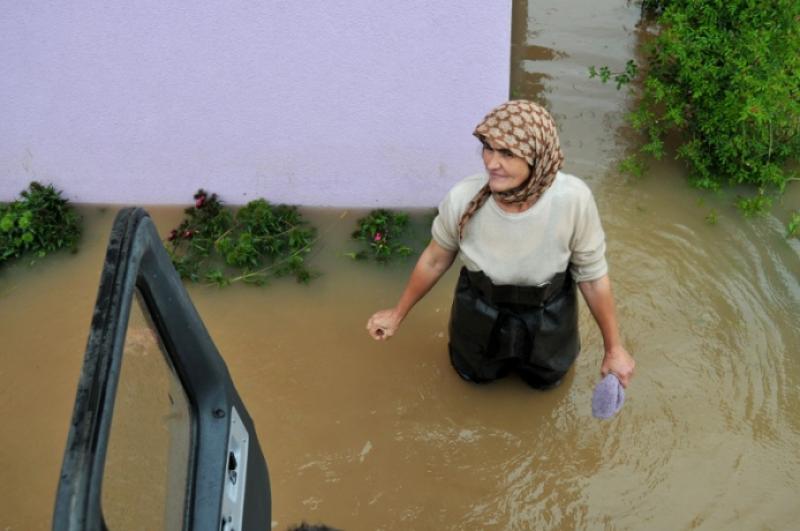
(619, 362)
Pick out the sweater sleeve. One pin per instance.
(588, 243)
(445, 226)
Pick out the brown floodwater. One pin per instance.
(367, 435)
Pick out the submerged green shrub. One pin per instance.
(725, 75)
(39, 223)
(256, 243)
(382, 234)
(793, 227)
(654, 7)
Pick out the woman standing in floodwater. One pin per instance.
(527, 234)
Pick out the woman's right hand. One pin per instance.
(383, 324)
(432, 264)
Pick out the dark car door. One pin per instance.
(159, 437)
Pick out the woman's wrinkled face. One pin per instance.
(506, 170)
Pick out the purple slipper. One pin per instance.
(608, 397)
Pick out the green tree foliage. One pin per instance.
(725, 75)
(40, 222)
(258, 242)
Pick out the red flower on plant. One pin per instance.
(172, 235)
(378, 237)
(188, 234)
(200, 201)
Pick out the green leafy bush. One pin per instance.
(382, 233)
(654, 7)
(725, 75)
(39, 223)
(793, 227)
(257, 242)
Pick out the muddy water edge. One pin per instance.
(366, 435)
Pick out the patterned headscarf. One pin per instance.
(528, 131)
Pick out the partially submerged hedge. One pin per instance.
(38, 223)
(257, 242)
(725, 75)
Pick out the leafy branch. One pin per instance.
(793, 227)
(39, 223)
(252, 245)
(620, 78)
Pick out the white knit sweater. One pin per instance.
(561, 229)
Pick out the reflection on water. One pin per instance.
(367, 435)
(145, 475)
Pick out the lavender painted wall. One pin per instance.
(316, 102)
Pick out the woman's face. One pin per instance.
(506, 170)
